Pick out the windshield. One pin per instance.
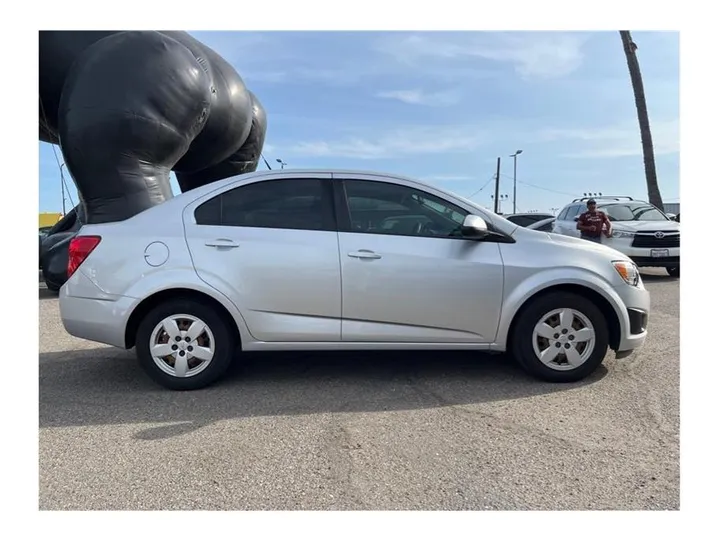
(633, 211)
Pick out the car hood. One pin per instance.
(637, 226)
(570, 242)
(585, 245)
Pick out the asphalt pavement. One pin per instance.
(360, 431)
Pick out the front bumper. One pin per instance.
(634, 319)
(665, 262)
(643, 256)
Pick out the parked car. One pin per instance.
(544, 225)
(640, 230)
(333, 260)
(527, 219)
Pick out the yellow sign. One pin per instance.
(48, 219)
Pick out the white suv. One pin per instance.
(640, 230)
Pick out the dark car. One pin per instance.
(524, 220)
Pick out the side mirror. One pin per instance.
(576, 218)
(474, 228)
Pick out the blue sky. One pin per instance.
(442, 106)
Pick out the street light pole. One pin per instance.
(514, 156)
(281, 162)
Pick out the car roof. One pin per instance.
(605, 202)
(286, 174)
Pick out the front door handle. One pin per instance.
(364, 254)
(222, 243)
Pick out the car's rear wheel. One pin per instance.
(184, 344)
(674, 271)
(560, 337)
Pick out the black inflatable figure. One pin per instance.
(126, 109)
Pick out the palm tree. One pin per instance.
(642, 112)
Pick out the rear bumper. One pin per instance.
(102, 319)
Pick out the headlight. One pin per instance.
(628, 271)
(620, 233)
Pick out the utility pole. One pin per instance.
(497, 187)
(62, 187)
(514, 156)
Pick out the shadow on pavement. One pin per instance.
(658, 276)
(47, 294)
(106, 386)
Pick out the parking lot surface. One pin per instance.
(389, 431)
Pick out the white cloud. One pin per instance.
(577, 142)
(533, 54)
(397, 143)
(617, 141)
(419, 97)
(327, 76)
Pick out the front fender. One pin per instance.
(535, 283)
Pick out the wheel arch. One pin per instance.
(611, 316)
(144, 307)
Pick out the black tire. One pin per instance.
(521, 345)
(674, 271)
(225, 344)
(52, 286)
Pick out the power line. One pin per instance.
(484, 186)
(540, 187)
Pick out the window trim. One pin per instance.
(328, 195)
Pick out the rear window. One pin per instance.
(523, 221)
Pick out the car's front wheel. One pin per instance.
(560, 337)
(184, 344)
(674, 271)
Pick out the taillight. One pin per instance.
(80, 248)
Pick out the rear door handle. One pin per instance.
(364, 254)
(222, 243)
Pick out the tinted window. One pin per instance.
(564, 213)
(208, 213)
(276, 204)
(523, 221)
(633, 211)
(384, 208)
(548, 227)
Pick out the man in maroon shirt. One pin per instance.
(591, 223)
